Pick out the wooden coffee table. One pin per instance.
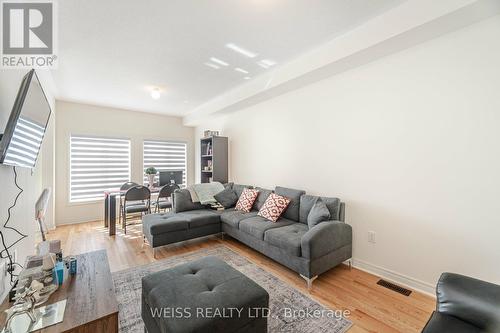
(91, 304)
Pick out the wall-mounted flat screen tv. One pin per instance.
(22, 139)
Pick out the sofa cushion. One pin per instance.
(227, 197)
(319, 213)
(246, 200)
(307, 202)
(287, 238)
(239, 188)
(182, 201)
(200, 217)
(257, 226)
(261, 198)
(233, 217)
(292, 212)
(274, 206)
(162, 223)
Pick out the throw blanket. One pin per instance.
(206, 191)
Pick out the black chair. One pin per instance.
(465, 305)
(165, 193)
(123, 188)
(137, 199)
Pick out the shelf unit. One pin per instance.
(214, 156)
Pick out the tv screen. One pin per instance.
(21, 141)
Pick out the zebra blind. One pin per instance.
(25, 144)
(164, 156)
(96, 165)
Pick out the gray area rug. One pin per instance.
(282, 296)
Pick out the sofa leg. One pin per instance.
(309, 281)
(155, 250)
(349, 262)
(222, 235)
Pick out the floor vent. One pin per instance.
(394, 287)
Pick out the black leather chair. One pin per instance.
(137, 199)
(164, 199)
(465, 305)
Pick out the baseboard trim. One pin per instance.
(406, 281)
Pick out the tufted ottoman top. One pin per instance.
(208, 295)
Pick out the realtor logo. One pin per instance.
(28, 34)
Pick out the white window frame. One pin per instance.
(98, 198)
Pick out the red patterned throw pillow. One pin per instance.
(246, 200)
(274, 206)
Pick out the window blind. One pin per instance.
(96, 165)
(164, 156)
(25, 143)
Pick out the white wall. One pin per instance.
(84, 119)
(411, 144)
(32, 183)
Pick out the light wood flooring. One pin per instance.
(373, 308)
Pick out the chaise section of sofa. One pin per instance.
(289, 241)
(188, 220)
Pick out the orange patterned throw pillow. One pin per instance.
(274, 206)
(246, 200)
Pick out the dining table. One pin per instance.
(110, 197)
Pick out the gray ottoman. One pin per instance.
(205, 295)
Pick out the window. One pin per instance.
(97, 164)
(165, 155)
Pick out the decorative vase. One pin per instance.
(151, 180)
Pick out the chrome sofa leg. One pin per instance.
(309, 281)
(349, 263)
(222, 235)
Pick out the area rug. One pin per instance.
(282, 296)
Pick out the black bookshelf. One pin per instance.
(214, 159)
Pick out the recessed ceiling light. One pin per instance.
(212, 65)
(247, 78)
(266, 63)
(241, 70)
(155, 93)
(241, 50)
(218, 61)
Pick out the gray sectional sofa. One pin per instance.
(288, 241)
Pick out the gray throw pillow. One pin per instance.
(319, 213)
(227, 197)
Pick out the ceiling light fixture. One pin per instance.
(266, 63)
(241, 50)
(212, 65)
(218, 61)
(247, 78)
(241, 70)
(155, 93)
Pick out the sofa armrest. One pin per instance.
(324, 238)
(471, 300)
(181, 201)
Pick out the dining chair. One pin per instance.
(123, 188)
(164, 199)
(137, 199)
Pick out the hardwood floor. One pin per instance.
(373, 308)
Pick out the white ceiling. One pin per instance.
(113, 52)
